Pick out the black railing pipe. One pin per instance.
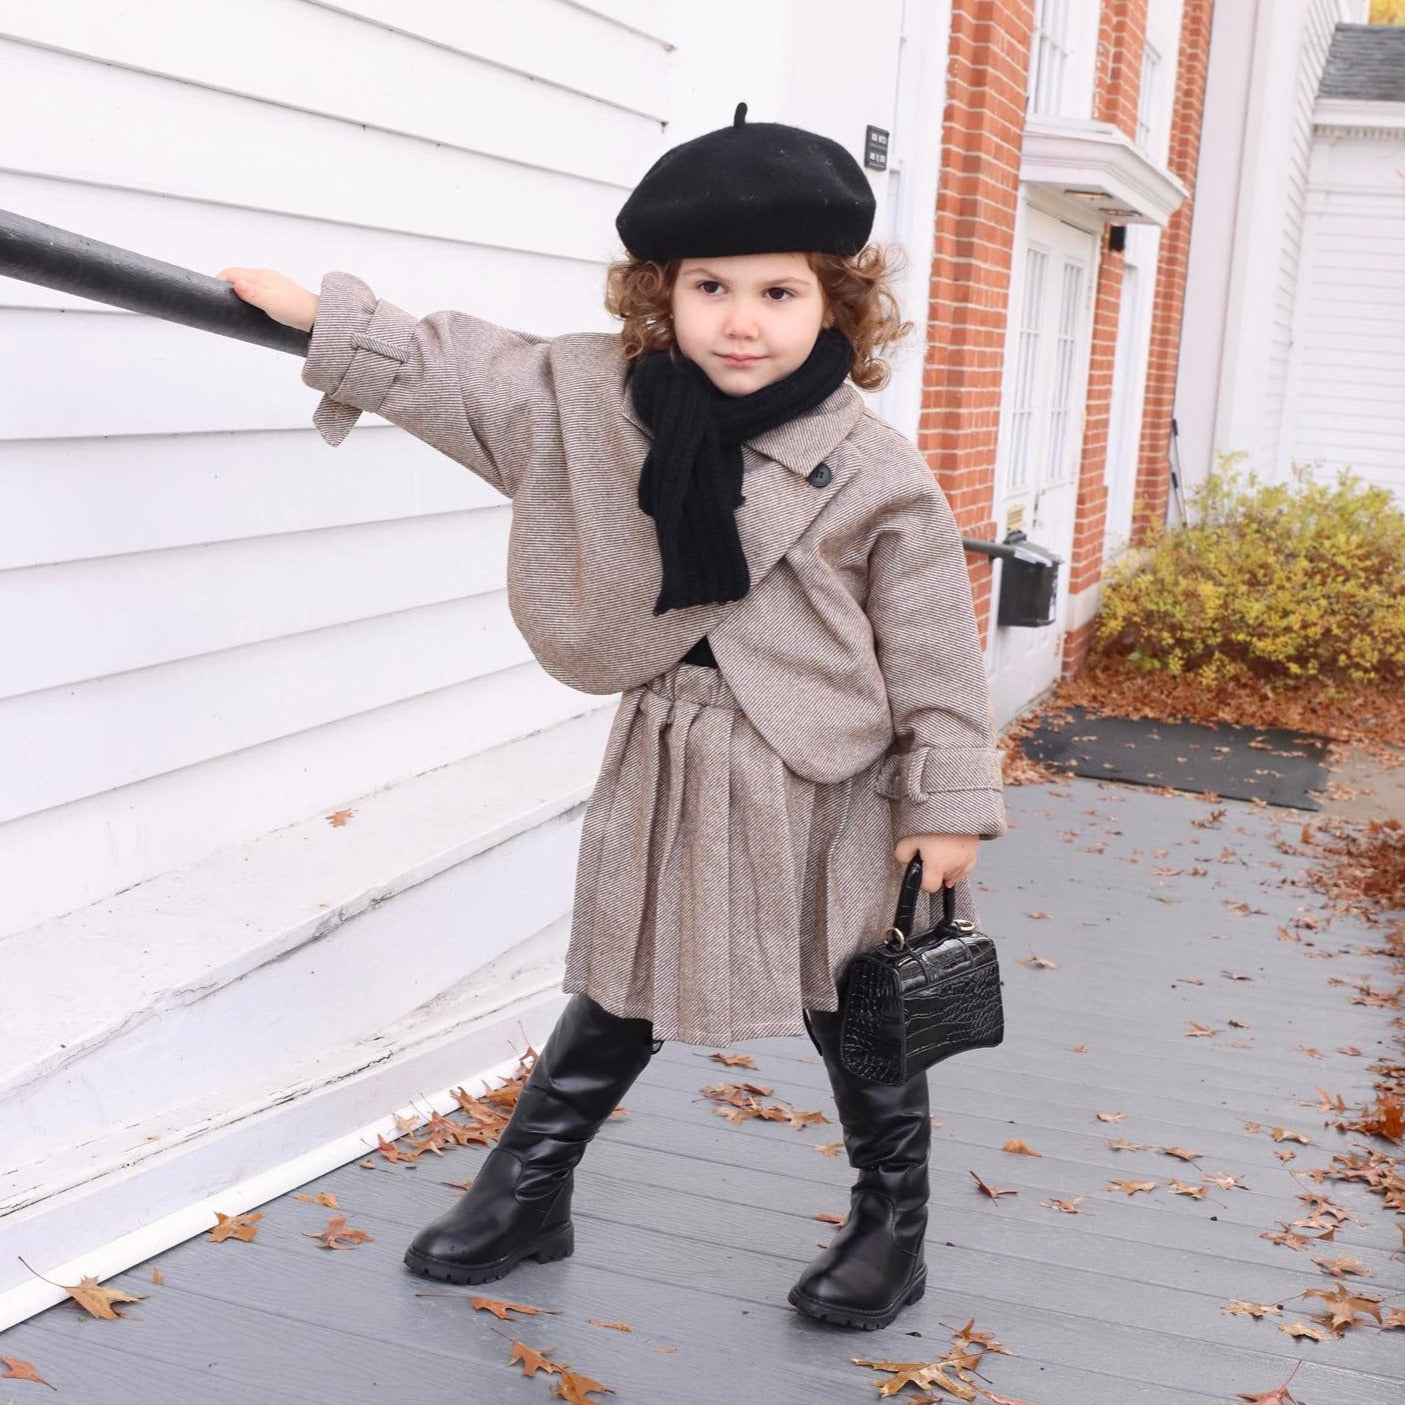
(72, 263)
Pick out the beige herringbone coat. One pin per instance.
(855, 651)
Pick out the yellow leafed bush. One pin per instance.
(1284, 581)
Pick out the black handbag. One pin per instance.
(916, 1000)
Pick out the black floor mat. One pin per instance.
(1239, 763)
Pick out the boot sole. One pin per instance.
(561, 1244)
(857, 1317)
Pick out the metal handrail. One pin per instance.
(72, 263)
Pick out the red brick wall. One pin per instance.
(1153, 474)
(978, 194)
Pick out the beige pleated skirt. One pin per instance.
(718, 893)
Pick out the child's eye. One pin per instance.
(709, 285)
(779, 294)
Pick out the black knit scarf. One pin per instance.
(691, 482)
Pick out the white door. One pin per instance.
(1041, 434)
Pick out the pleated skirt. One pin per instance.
(718, 894)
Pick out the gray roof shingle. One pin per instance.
(1366, 62)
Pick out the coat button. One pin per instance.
(821, 476)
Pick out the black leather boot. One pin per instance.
(874, 1266)
(519, 1205)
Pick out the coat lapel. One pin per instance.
(779, 501)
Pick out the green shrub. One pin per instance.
(1285, 582)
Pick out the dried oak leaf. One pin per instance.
(323, 1197)
(1301, 1329)
(1042, 963)
(336, 1235)
(830, 1148)
(1344, 1306)
(1343, 1266)
(1181, 1152)
(1111, 1116)
(1395, 1317)
(531, 1360)
(613, 1326)
(1196, 1192)
(827, 1218)
(1132, 1187)
(995, 1192)
(99, 1301)
(338, 818)
(17, 1370)
(971, 1336)
(1069, 1207)
(1122, 1144)
(574, 1388)
(734, 1060)
(500, 1309)
(921, 1375)
(1199, 1031)
(1237, 1307)
(1284, 1134)
(235, 1226)
(1225, 1181)
(1019, 1148)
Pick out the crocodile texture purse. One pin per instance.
(916, 1000)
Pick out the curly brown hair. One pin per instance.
(857, 291)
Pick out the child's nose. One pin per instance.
(741, 321)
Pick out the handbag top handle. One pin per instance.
(906, 915)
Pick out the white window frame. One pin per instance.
(1069, 27)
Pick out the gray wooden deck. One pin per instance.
(691, 1229)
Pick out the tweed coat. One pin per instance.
(857, 639)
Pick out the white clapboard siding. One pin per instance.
(547, 39)
(532, 292)
(342, 67)
(1318, 21)
(67, 743)
(1347, 411)
(68, 857)
(150, 133)
(70, 499)
(158, 606)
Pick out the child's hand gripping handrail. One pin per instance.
(72, 263)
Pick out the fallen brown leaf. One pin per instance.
(500, 1309)
(1019, 1148)
(1069, 1207)
(99, 1301)
(734, 1060)
(335, 1232)
(1041, 962)
(1342, 1266)
(614, 1326)
(339, 817)
(1131, 1187)
(235, 1226)
(993, 1191)
(1196, 1192)
(1237, 1307)
(17, 1370)
(1301, 1329)
(1111, 1116)
(531, 1360)
(574, 1388)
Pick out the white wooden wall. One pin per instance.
(1265, 64)
(212, 624)
(1346, 408)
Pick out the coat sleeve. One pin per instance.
(942, 772)
(475, 391)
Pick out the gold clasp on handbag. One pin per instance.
(889, 933)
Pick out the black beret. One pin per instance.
(751, 188)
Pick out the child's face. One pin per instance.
(749, 319)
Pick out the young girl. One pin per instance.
(707, 520)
